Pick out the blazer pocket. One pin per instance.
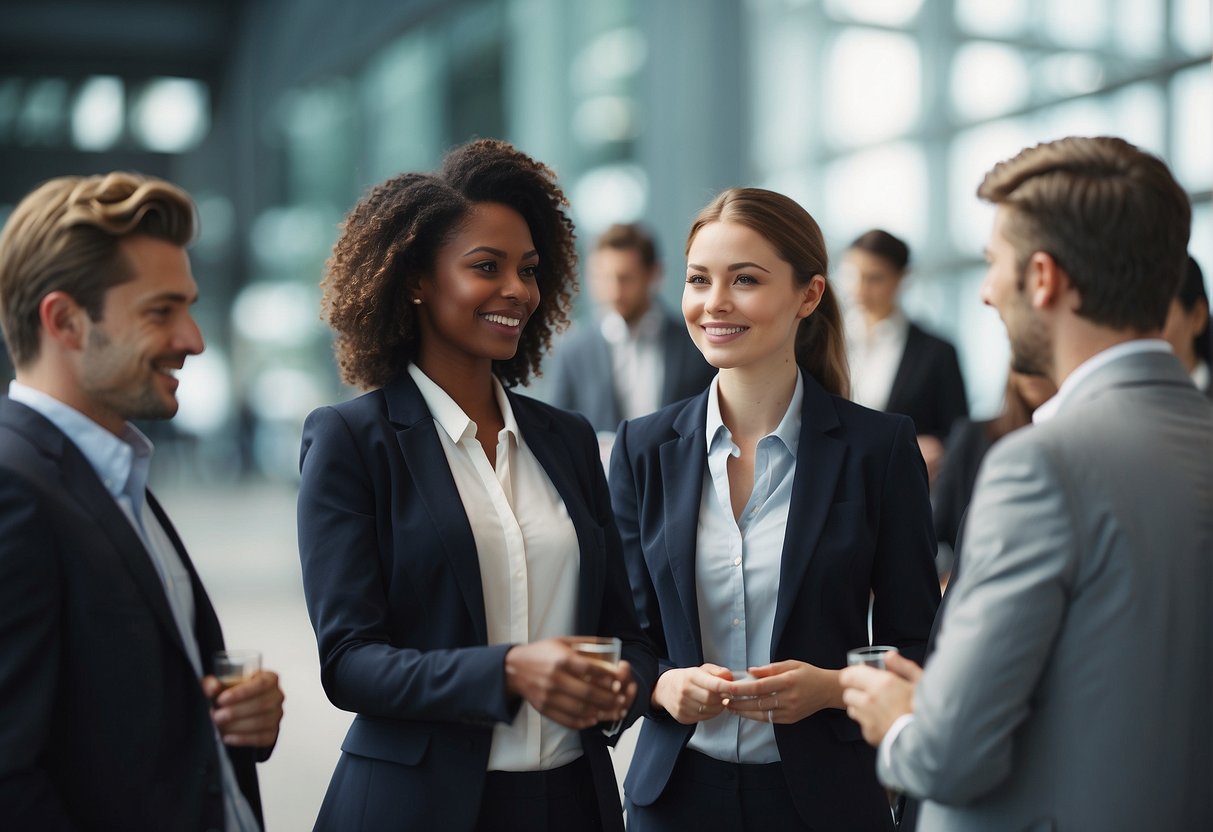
(399, 742)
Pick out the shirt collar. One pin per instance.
(451, 417)
(787, 431)
(121, 462)
(1050, 409)
(616, 330)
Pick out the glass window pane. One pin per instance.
(1066, 74)
(1191, 26)
(988, 79)
(1084, 117)
(1139, 26)
(885, 12)
(1002, 19)
(1200, 245)
(971, 156)
(1139, 115)
(1076, 23)
(786, 106)
(1192, 128)
(884, 187)
(871, 86)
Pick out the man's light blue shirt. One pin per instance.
(122, 465)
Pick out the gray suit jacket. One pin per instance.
(1072, 684)
(581, 377)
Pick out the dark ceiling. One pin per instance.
(73, 39)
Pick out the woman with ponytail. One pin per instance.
(758, 519)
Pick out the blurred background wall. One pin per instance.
(278, 114)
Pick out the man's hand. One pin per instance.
(247, 714)
(877, 698)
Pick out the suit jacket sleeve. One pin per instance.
(644, 596)
(905, 586)
(1004, 614)
(340, 550)
(30, 651)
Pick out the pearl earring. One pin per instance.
(416, 301)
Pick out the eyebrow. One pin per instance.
(172, 297)
(496, 252)
(731, 268)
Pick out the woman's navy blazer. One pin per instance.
(392, 580)
(859, 525)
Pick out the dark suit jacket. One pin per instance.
(928, 386)
(393, 588)
(860, 524)
(582, 378)
(103, 723)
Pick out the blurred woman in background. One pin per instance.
(896, 365)
(758, 519)
(1187, 328)
(454, 535)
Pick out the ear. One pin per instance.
(811, 294)
(1044, 280)
(63, 320)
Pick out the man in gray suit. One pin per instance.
(637, 357)
(1072, 681)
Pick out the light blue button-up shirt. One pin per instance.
(122, 465)
(737, 570)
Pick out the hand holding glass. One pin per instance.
(235, 666)
(871, 656)
(604, 651)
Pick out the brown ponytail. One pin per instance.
(821, 349)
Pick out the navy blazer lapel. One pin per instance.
(435, 485)
(910, 363)
(683, 462)
(555, 457)
(81, 481)
(207, 631)
(819, 459)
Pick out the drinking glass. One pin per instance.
(871, 656)
(235, 666)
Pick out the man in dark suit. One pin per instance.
(638, 357)
(109, 715)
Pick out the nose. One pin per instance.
(718, 299)
(189, 336)
(517, 289)
(985, 292)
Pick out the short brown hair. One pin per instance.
(1111, 215)
(389, 241)
(821, 348)
(630, 237)
(64, 236)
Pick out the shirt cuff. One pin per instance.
(884, 754)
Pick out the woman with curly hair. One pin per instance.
(454, 535)
(758, 519)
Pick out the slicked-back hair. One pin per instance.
(65, 235)
(630, 236)
(884, 245)
(389, 242)
(821, 348)
(1111, 215)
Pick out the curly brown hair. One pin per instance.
(389, 241)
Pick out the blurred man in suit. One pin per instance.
(109, 715)
(1078, 640)
(637, 357)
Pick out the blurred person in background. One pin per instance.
(1077, 639)
(896, 365)
(636, 357)
(109, 715)
(968, 442)
(453, 534)
(758, 519)
(1187, 328)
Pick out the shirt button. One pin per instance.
(737, 561)
(736, 621)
